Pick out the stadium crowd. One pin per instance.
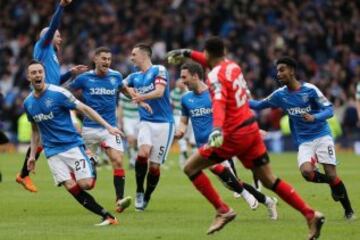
(324, 36)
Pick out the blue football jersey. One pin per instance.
(100, 93)
(45, 53)
(198, 108)
(50, 112)
(308, 99)
(144, 82)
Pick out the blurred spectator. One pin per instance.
(324, 36)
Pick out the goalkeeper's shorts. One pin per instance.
(248, 148)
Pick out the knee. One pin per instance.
(86, 184)
(307, 174)
(187, 169)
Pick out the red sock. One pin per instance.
(289, 195)
(217, 169)
(203, 185)
(120, 172)
(335, 182)
(39, 149)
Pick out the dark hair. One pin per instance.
(193, 68)
(215, 47)
(102, 50)
(34, 61)
(289, 61)
(144, 47)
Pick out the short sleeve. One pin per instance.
(29, 117)
(67, 99)
(320, 98)
(128, 81)
(161, 76)
(184, 109)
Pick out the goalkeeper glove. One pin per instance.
(216, 138)
(178, 56)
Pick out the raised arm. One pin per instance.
(47, 37)
(178, 56)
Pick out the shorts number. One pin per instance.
(330, 151)
(79, 164)
(118, 139)
(162, 151)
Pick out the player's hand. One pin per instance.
(179, 134)
(146, 106)
(31, 164)
(178, 56)
(137, 98)
(263, 133)
(216, 138)
(65, 2)
(78, 69)
(115, 131)
(308, 117)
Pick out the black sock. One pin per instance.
(340, 194)
(320, 178)
(88, 202)
(230, 181)
(153, 178)
(24, 171)
(119, 183)
(233, 168)
(141, 166)
(258, 195)
(185, 154)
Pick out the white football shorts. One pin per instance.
(95, 137)
(131, 126)
(158, 135)
(320, 150)
(71, 162)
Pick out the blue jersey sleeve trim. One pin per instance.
(54, 24)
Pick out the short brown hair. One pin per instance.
(101, 50)
(144, 47)
(193, 68)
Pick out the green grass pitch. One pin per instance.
(176, 211)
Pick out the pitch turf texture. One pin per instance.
(176, 211)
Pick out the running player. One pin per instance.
(196, 105)
(156, 131)
(45, 51)
(100, 90)
(48, 109)
(235, 133)
(308, 110)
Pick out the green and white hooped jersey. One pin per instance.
(358, 91)
(175, 97)
(130, 109)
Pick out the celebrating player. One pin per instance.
(235, 133)
(175, 97)
(45, 51)
(48, 110)
(196, 105)
(99, 90)
(156, 130)
(308, 110)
